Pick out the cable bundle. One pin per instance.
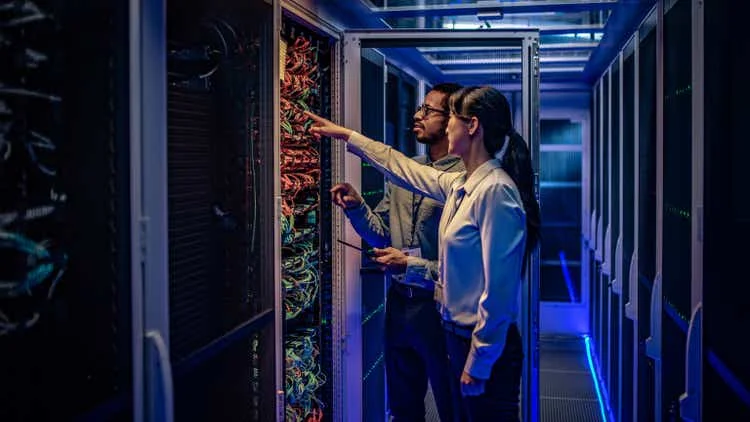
(303, 377)
(300, 160)
(28, 170)
(300, 278)
(300, 229)
(300, 179)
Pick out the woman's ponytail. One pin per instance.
(517, 163)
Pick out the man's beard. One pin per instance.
(431, 139)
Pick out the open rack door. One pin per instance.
(405, 44)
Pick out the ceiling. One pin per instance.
(578, 38)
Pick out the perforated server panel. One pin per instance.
(594, 311)
(220, 208)
(65, 349)
(677, 164)
(628, 235)
(646, 215)
(605, 213)
(726, 219)
(615, 298)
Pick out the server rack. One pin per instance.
(594, 254)
(618, 115)
(614, 244)
(677, 171)
(188, 241)
(685, 149)
(219, 180)
(646, 236)
(626, 167)
(670, 355)
(66, 333)
(606, 257)
(718, 379)
(111, 343)
(605, 232)
(307, 171)
(626, 253)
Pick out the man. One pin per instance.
(403, 228)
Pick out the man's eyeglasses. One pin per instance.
(425, 110)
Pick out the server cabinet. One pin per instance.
(718, 378)
(310, 341)
(593, 160)
(605, 225)
(615, 240)
(676, 209)
(645, 275)
(595, 286)
(68, 345)
(626, 189)
(220, 232)
(626, 254)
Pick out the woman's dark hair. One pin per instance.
(492, 110)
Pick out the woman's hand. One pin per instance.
(324, 127)
(471, 386)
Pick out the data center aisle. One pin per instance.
(567, 387)
(568, 392)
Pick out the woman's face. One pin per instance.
(458, 135)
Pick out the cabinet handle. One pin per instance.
(690, 401)
(631, 308)
(617, 269)
(653, 342)
(165, 372)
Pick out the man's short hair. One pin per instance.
(446, 88)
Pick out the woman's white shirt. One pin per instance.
(482, 237)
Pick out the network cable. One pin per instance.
(300, 229)
(303, 377)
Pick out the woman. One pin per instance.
(489, 224)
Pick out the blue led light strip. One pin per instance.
(601, 391)
(568, 279)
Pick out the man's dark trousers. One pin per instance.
(415, 352)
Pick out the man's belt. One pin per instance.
(412, 292)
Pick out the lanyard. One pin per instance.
(416, 205)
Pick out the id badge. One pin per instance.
(417, 252)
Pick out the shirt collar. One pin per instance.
(446, 162)
(479, 174)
